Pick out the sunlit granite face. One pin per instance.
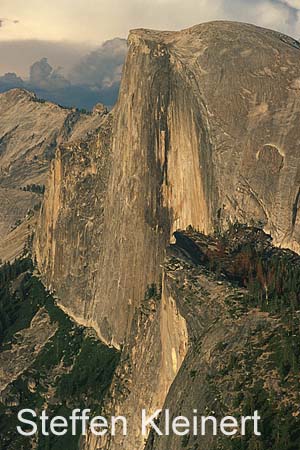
(205, 133)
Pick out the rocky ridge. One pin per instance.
(30, 131)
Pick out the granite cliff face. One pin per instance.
(205, 133)
(69, 232)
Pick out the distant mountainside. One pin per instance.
(30, 131)
(170, 227)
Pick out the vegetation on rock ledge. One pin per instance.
(73, 370)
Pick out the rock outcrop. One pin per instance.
(205, 133)
(43, 360)
(69, 232)
(221, 104)
(235, 362)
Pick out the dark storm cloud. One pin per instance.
(102, 67)
(95, 78)
(10, 80)
(43, 76)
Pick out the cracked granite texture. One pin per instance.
(205, 133)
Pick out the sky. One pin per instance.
(75, 26)
(68, 32)
(95, 21)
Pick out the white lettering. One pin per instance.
(27, 422)
(149, 422)
(59, 422)
(228, 422)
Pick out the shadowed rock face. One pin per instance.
(240, 83)
(234, 360)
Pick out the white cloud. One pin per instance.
(98, 20)
(292, 3)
